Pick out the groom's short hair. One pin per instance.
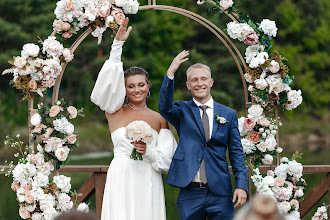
(198, 65)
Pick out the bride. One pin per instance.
(134, 188)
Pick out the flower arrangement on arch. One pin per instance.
(285, 185)
(72, 15)
(39, 197)
(321, 213)
(258, 134)
(56, 132)
(38, 66)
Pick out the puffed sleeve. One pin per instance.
(109, 90)
(161, 155)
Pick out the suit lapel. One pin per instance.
(217, 110)
(196, 113)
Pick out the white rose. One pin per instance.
(83, 207)
(262, 146)
(279, 150)
(268, 27)
(295, 169)
(255, 112)
(37, 216)
(69, 129)
(275, 67)
(262, 57)
(252, 51)
(254, 63)
(225, 4)
(294, 99)
(35, 119)
(248, 146)
(284, 160)
(120, 3)
(264, 135)
(131, 7)
(270, 173)
(20, 62)
(275, 83)
(62, 153)
(268, 180)
(285, 207)
(261, 84)
(270, 143)
(68, 55)
(30, 50)
(268, 159)
(299, 193)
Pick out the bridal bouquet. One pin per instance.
(56, 132)
(284, 185)
(138, 131)
(72, 15)
(38, 66)
(39, 197)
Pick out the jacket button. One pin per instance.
(199, 160)
(205, 145)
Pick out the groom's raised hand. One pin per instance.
(180, 58)
(123, 32)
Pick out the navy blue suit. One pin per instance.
(193, 147)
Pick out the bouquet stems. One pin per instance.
(136, 155)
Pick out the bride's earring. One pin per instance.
(148, 94)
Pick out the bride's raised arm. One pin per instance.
(109, 90)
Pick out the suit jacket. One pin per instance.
(193, 147)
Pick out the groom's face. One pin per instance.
(199, 82)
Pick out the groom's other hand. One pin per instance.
(180, 58)
(240, 195)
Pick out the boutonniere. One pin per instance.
(220, 119)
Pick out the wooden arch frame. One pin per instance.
(226, 41)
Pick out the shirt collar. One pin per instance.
(209, 103)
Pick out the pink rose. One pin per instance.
(29, 198)
(118, 15)
(254, 137)
(54, 110)
(251, 38)
(24, 213)
(65, 26)
(72, 111)
(71, 138)
(263, 122)
(295, 203)
(32, 84)
(15, 186)
(49, 83)
(104, 12)
(249, 124)
(68, 55)
(67, 35)
(279, 181)
(248, 78)
(38, 129)
(69, 4)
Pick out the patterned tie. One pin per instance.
(205, 122)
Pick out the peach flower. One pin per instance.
(72, 111)
(254, 137)
(72, 138)
(15, 186)
(263, 122)
(32, 84)
(249, 124)
(24, 213)
(279, 181)
(38, 129)
(295, 203)
(69, 4)
(118, 15)
(29, 198)
(54, 110)
(248, 78)
(67, 35)
(65, 26)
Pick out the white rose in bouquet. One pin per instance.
(83, 207)
(268, 27)
(35, 119)
(30, 50)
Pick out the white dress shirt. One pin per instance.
(210, 113)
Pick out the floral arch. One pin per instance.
(267, 75)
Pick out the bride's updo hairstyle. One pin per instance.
(135, 71)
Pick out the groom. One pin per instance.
(199, 165)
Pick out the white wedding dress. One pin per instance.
(134, 189)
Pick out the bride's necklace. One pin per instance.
(129, 104)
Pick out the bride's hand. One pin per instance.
(123, 32)
(140, 147)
